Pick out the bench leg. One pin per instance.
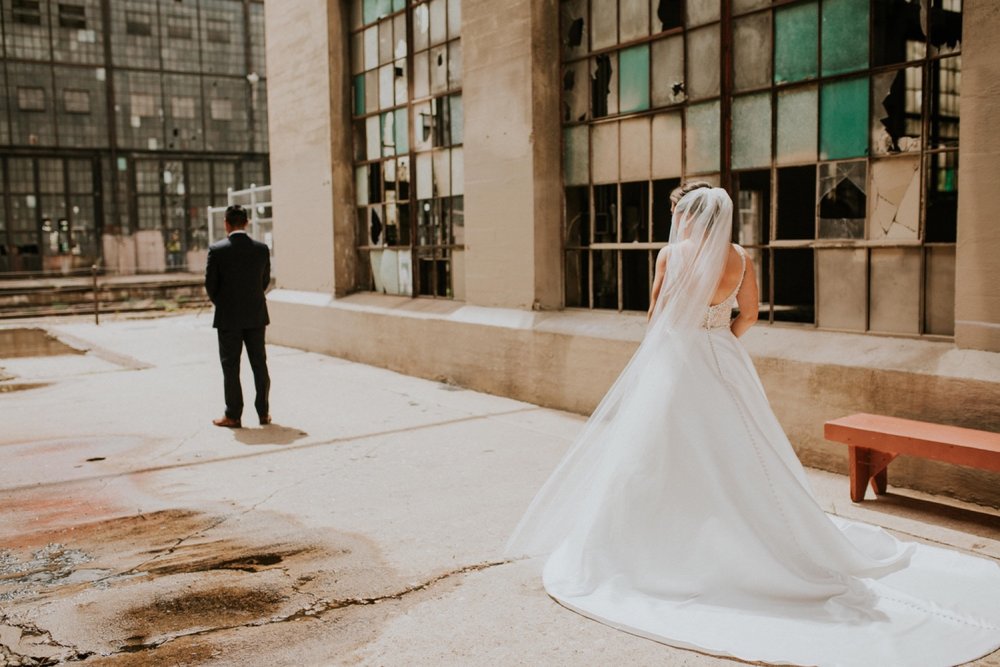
(867, 466)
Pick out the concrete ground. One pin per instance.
(363, 527)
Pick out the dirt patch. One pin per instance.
(8, 388)
(190, 611)
(22, 343)
(223, 555)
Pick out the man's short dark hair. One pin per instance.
(236, 216)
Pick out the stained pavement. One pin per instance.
(363, 528)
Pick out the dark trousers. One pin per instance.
(231, 342)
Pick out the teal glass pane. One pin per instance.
(752, 131)
(843, 125)
(359, 95)
(798, 119)
(398, 4)
(402, 132)
(796, 35)
(376, 9)
(457, 120)
(633, 79)
(845, 36)
(702, 138)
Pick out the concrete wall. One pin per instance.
(568, 359)
(977, 271)
(299, 102)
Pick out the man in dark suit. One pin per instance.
(236, 275)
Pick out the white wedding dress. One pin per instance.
(682, 514)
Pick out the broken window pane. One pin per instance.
(388, 130)
(699, 12)
(939, 309)
(635, 212)
(577, 217)
(635, 280)
(945, 79)
(634, 79)
(796, 203)
(946, 26)
(794, 298)
(577, 279)
(403, 177)
(667, 62)
(605, 213)
(667, 140)
(753, 207)
(798, 118)
(605, 152)
(843, 199)
(843, 128)
(573, 27)
(845, 36)
(752, 51)
(895, 290)
(843, 292)
(634, 16)
(635, 149)
(576, 92)
(751, 131)
(895, 199)
(401, 84)
(899, 32)
(604, 85)
(603, 24)
(439, 69)
(897, 119)
(666, 14)
(942, 198)
(376, 9)
(605, 286)
(796, 34)
(661, 207)
(703, 63)
(702, 133)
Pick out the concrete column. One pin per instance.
(513, 208)
(977, 269)
(311, 174)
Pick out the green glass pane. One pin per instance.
(844, 119)
(752, 131)
(359, 95)
(376, 9)
(796, 34)
(702, 138)
(845, 36)
(633, 79)
(398, 4)
(798, 117)
(576, 155)
(402, 132)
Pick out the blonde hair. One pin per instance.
(678, 193)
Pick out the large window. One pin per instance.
(834, 123)
(407, 75)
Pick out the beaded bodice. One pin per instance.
(720, 315)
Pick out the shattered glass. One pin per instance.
(666, 14)
(899, 28)
(945, 26)
(896, 111)
(604, 85)
(668, 71)
(576, 92)
(895, 199)
(573, 27)
(843, 198)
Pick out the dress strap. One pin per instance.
(743, 268)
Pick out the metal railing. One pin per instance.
(257, 201)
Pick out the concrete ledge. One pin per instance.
(568, 359)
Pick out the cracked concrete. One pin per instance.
(364, 527)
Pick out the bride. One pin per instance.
(682, 514)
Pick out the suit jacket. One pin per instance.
(236, 275)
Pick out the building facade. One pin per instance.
(475, 191)
(120, 122)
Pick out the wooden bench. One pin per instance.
(875, 440)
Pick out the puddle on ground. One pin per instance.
(21, 343)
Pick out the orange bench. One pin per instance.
(875, 440)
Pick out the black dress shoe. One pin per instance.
(265, 420)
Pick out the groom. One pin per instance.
(236, 275)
